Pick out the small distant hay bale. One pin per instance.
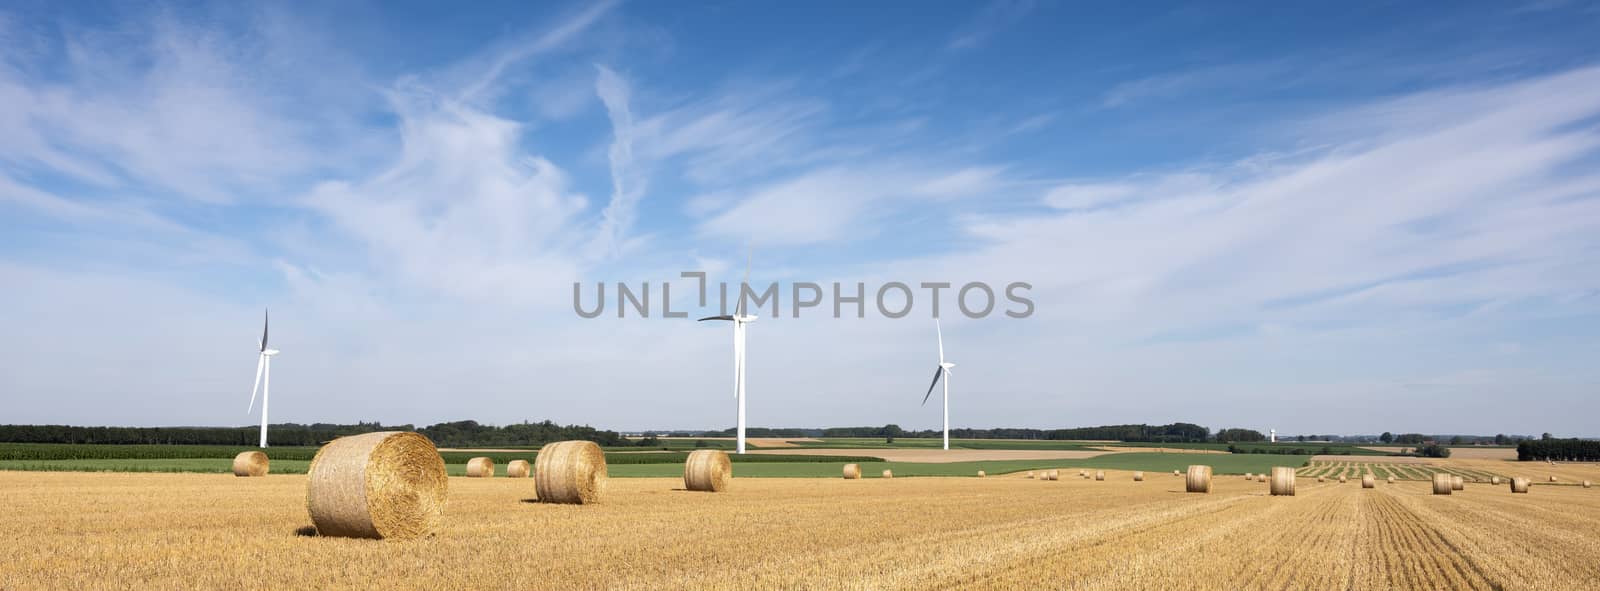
(571, 472)
(1176, 473)
(1442, 483)
(519, 469)
(1322, 479)
(250, 463)
(1368, 481)
(1342, 479)
(981, 474)
(1282, 482)
(1198, 480)
(1520, 485)
(1391, 480)
(1249, 476)
(1030, 474)
(888, 473)
(1138, 476)
(1495, 481)
(853, 472)
(1099, 474)
(1083, 472)
(1261, 478)
(1586, 484)
(1456, 483)
(1052, 475)
(388, 484)
(707, 470)
(480, 467)
(1552, 479)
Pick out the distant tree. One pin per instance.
(1456, 440)
(1386, 437)
(1545, 437)
(888, 439)
(701, 443)
(1300, 438)
(1410, 438)
(1241, 435)
(1500, 439)
(1433, 450)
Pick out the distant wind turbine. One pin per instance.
(739, 320)
(263, 377)
(943, 371)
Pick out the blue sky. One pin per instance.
(1379, 216)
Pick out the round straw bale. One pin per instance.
(1456, 483)
(1198, 480)
(1586, 484)
(571, 472)
(1391, 480)
(1083, 472)
(1495, 481)
(1052, 475)
(1030, 474)
(1322, 479)
(250, 463)
(387, 484)
(853, 471)
(480, 467)
(1176, 473)
(1099, 474)
(1342, 479)
(518, 469)
(1368, 481)
(888, 473)
(1519, 485)
(1442, 483)
(707, 470)
(1138, 476)
(1249, 476)
(1282, 481)
(981, 474)
(1552, 479)
(1261, 478)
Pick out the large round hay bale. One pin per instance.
(981, 474)
(1520, 485)
(1138, 476)
(250, 463)
(1282, 482)
(1368, 481)
(1198, 480)
(387, 484)
(707, 470)
(853, 472)
(480, 467)
(1456, 483)
(518, 469)
(1099, 474)
(1442, 483)
(571, 472)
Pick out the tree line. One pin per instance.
(453, 434)
(1569, 450)
(1173, 433)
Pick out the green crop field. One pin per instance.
(908, 443)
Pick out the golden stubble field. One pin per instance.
(180, 531)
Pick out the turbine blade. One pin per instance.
(941, 339)
(722, 317)
(256, 388)
(266, 320)
(937, 371)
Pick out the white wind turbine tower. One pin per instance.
(263, 377)
(739, 320)
(942, 371)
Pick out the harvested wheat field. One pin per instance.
(217, 531)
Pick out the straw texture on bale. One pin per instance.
(888, 473)
(572, 472)
(480, 467)
(1138, 476)
(518, 469)
(1198, 479)
(250, 463)
(1282, 481)
(1456, 483)
(387, 484)
(853, 471)
(1099, 474)
(1368, 481)
(1442, 483)
(707, 470)
(1519, 485)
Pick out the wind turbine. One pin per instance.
(942, 371)
(739, 320)
(263, 377)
